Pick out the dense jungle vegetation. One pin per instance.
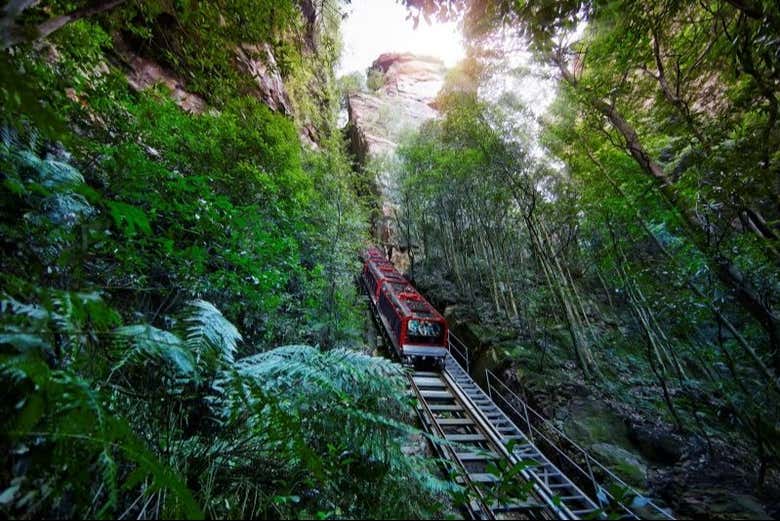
(155, 258)
(180, 332)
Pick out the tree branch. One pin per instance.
(11, 37)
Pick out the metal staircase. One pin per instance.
(524, 430)
(549, 481)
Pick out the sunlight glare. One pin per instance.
(373, 27)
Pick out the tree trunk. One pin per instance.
(749, 350)
(725, 270)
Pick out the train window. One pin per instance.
(421, 331)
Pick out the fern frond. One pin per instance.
(64, 409)
(33, 312)
(66, 209)
(48, 172)
(144, 343)
(24, 342)
(59, 175)
(209, 335)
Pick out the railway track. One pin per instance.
(504, 475)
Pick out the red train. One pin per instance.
(416, 330)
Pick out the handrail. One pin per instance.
(560, 510)
(459, 347)
(532, 430)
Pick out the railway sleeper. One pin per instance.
(454, 421)
(436, 395)
(519, 506)
(465, 437)
(478, 477)
(445, 407)
(476, 456)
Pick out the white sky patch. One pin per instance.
(523, 88)
(373, 27)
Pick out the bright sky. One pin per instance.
(373, 27)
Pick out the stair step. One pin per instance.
(422, 381)
(465, 437)
(442, 408)
(454, 421)
(435, 394)
(476, 456)
(515, 507)
(483, 478)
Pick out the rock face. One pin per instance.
(417, 78)
(378, 120)
(144, 73)
(258, 62)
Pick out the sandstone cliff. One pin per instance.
(379, 119)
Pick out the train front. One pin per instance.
(425, 334)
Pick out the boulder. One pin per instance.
(590, 421)
(625, 464)
(660, 445)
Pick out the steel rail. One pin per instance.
(478, 507)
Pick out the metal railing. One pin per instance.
(526, 416)
(459, 351)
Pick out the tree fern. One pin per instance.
(52, 174)
(339, 414)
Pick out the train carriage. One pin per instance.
(416, 330)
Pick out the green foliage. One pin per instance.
(339, 425)
(668, 271)
(352, 83)
(64, 438)
(375, 79)
(131, 226)
(210, 337)
(199, 41)
(332, 421)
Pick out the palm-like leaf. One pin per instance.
(66, 411)
(52, 174)
(312, 410)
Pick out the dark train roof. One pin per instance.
(401, 291)
(410, 301)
